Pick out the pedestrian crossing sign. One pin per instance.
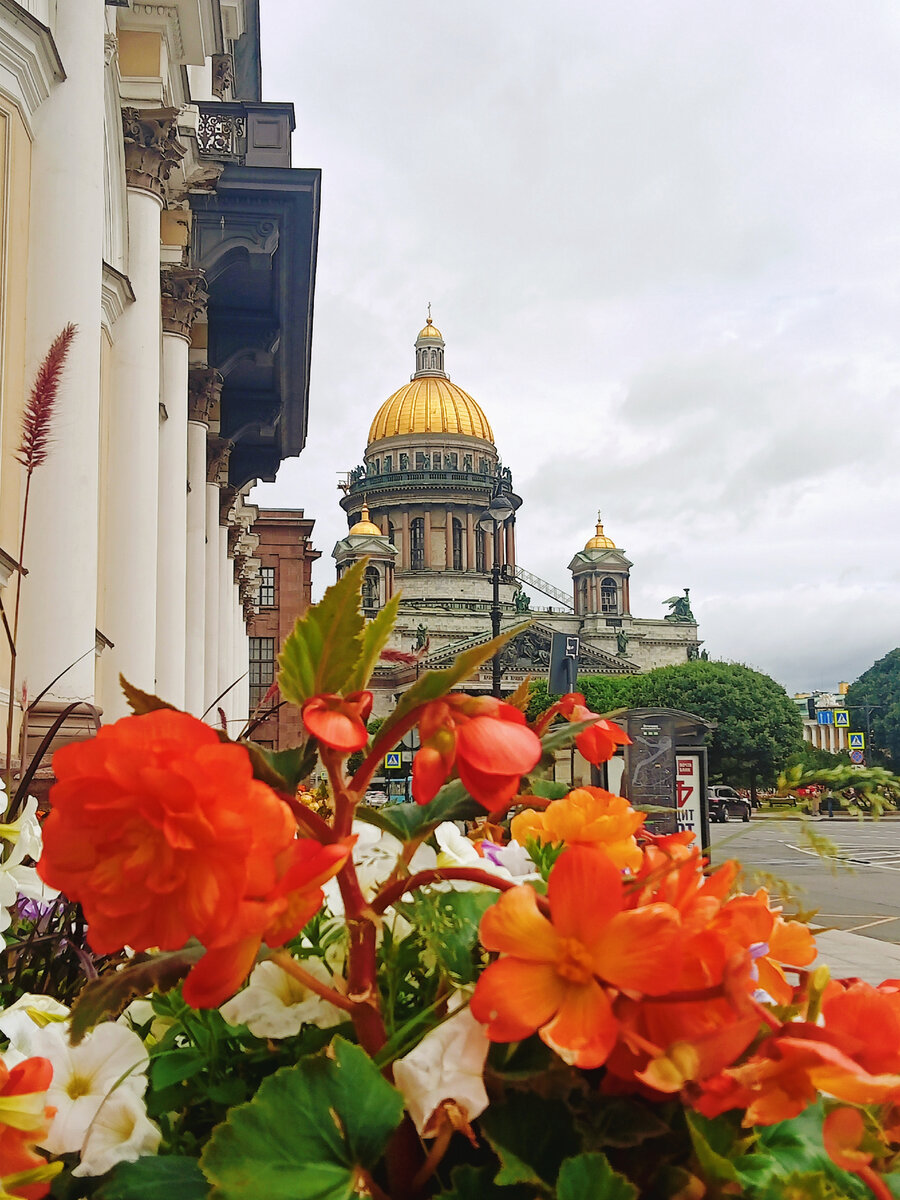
(842, 718)
(857, 741)
(392, 760)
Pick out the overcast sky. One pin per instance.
(661, 239)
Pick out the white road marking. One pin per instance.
(842, 857)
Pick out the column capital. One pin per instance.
(152, 148)
(204, 393)
(218, 452)
(184, 297)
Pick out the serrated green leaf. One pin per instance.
(619, 1122)
(140, 702)
(307, 1131)
(531, 1136)
(548, 789)
(320, 655)
(475, 1183)
(170, 1177)
(592, 1175)
(405, 821)
(110, 995)
(715, 1165)
(284, 769)
(434, 684)
(374, 638)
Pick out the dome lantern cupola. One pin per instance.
(600, 541)
(429, 350)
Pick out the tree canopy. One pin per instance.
(757, 726)
(879, 688)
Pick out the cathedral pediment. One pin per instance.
(529, 653)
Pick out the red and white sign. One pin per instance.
(687, 793)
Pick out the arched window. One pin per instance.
(609, 595)
(584, 596)
(371, 588)
(434, 358)
(457, 544)
(479, 550)
(417, 543)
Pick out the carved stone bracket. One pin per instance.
(184, 298)
(152, 148)
(218, 451)
(204, 393)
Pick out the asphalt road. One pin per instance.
(859, 890)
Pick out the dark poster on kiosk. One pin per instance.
(650, 773)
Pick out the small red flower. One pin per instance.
(599, 743)
(24, 1121)
(488, 742)
(339, 721)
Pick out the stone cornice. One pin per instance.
(204, 393)
(152, 148)
(115, 294)
(218, 451)
(29, 60)
(183, 297)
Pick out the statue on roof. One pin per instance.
(680, 608)
(522, 601)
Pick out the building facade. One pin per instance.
(147, 196)
(821, 713)
(286, 556)
(414, 508)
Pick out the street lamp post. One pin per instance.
(493, 520)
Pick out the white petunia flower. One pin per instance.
(510, 862)
(275, 1005)
(375, 856)
(447, 1065)
(23, 1023)
(120, 1132)
(110, 1057)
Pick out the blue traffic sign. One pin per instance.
(842, 718)
(857, 741)
(392, 760)
(825, 716)
(857, 757)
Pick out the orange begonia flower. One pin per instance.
(162, 834)
(588, 816)
(488, 742)
(864, 1021)
(560, 977)
(339, 721)
(24, 1121)
(599, 743)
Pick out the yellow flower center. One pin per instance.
(78, 1085)
(573, 961)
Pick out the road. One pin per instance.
(859, 891)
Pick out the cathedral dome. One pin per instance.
(430, 404)
(600, 541)
(364, 525)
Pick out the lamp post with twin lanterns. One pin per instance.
(501, 509)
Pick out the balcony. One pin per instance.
(247, 134)
(400, 479)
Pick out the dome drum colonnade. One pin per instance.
(430, 468)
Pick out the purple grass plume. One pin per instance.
(38, 413)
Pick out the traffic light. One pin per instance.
(811, 708)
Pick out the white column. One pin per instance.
(241, 663)
(59, 594)
(171, 560)
(129, 608)
(195, 612)
(226, 625)
(211, 601)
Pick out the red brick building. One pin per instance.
(287, 555)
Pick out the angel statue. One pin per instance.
(680, 607)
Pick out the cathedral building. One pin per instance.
(415, 509)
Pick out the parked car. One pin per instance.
(724, 802)
(375, 798)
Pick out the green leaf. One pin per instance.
(375, 635)
(591, 1175)
(549, 789)
(471, 1183)
(619, 1122)
(531, 1136)
(448, 924)
(406, 821)
(174, 1066)
(283, 769)
(434, 684)
(320, 655)
(109, 995)
(715, 1165)
(169, 1177)
(307, 1132)
(140, 702)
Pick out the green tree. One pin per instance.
(879, 690)
(757, 726)
(602, 693)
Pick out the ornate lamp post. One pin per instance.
(493, 520)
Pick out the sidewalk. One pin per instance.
(858, 956)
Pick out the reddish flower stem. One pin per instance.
(380, 747)
(392, 892)
(290, 966)
(875, 1183)
(308, 820)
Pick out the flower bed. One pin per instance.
(502, 991)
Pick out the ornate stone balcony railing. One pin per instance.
(373, 483)
(252, 135)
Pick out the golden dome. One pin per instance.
(430, 331)
(364, 525)
(600, 541)
(430, 404)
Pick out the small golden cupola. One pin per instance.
(600, 541)
(364, 527)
